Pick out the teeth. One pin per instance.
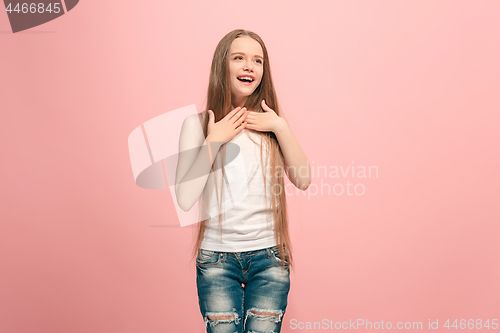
(246, 78)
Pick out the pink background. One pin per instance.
(408, 86)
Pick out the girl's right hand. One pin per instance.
(227, 128)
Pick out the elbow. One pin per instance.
(305, 181)
(185, 208)
(184, 205)
(305, 185)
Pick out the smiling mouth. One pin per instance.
(245, 82)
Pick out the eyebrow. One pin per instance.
(244, 53)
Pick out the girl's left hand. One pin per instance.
(267, 121)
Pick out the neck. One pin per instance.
(238, 102)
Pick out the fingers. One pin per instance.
(238, 115)
(240, 120)
(264, 105)
(232, 113)
(240, 128)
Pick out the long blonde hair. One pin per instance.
(219, 101)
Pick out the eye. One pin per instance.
(238, 57)
(260, 61)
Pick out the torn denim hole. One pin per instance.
(267, 316)
(212, 322)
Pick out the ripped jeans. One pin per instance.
(242, 292)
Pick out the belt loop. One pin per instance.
(269, 252)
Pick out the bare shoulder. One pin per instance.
(192, 135)
(194, 119)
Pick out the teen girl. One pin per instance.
(243, 255)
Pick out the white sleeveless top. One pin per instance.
(248, 225)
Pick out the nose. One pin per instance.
(248, 65)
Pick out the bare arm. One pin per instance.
(296, 162)
(194, 164)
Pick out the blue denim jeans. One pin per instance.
(243, 292)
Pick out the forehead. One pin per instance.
(246, 45)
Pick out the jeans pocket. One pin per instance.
(207, 258)
(277, 257)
